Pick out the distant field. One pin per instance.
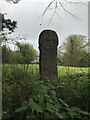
(34, 69)
(63, 70)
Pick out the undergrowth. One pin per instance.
(26, 97)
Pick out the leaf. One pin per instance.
(43, 88)
(40, 97)
(50, 105)
(66, 105)
(59, 115)
(72, 112)
(35, 106)
(53, 93)
(21, 109)
(50, 110)
(84, 112)
(65, 114)
(24, 106)
(24, 103)
(57, 106)
(81, 111)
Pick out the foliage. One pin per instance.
(73, 52)
(7, 23)
(84, 61)
(25, 54)
(5, 54)
(44, 103)
(16, 86)
(42, 100)
(75, 90)
(7, 26)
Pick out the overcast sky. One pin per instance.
(29, 17)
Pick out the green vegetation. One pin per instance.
(25, 96)
(64, 70)
(74, 51)
(25, 54)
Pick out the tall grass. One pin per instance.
(34, 69)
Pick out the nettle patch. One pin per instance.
(43, 102)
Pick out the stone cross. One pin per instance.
(48, 42)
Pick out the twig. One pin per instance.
(71, 2)
(82, 3)
(52, 17)
(62, 5)
(58, 16)
(67, 10)
(48, 7)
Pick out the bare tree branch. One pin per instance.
(58, 16)
(52, 17)
(58, 4)
(48, 7)
(82, 3)
(71, 2)
(13, 1)
(78, 2)
(67, 10)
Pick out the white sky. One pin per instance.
(29, 17)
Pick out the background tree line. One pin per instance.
(25, 54)
(73, 52)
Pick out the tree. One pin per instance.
(73, 47)
(59, 55)
(84, 59)
(7, 23)
(27, 51)
(16, 58)
(25, 54)
(6, 54)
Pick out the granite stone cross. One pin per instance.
(48, 42)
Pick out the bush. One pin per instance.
(75, 90)
(25, 96)
(43, 102)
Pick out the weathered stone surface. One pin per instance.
(48, 42)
